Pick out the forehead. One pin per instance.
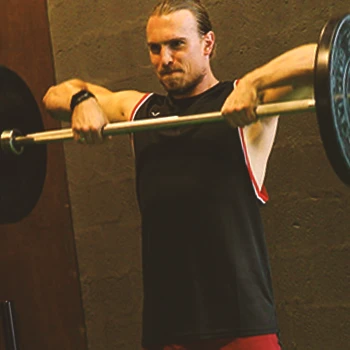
(181, 23)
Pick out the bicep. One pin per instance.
(118, 106)
(303, 89)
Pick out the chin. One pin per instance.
(180, 86)
(176, 86)
(183, 90)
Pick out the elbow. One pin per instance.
(56, 103)
(47, 99)
(308, 58)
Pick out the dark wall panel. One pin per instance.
(38, 266)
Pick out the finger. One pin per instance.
(76, 135)
(97, 137)
(81, 139)
(252, 116)
(234, 118)
(231, 121)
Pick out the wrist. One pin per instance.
(79, 97)
(253, 80)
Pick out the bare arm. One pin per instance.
(89, 117)
(271, 82)
(294, 69)
(116, 105)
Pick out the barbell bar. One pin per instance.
(12, 141)
(331, 91)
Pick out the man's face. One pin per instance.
(177, 52)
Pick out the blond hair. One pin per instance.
(198, 10)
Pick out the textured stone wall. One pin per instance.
(307, 220)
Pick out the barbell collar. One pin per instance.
(8, 143)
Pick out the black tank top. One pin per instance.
(205, 265)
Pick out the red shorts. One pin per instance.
(260, 342)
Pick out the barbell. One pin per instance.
(24, 168)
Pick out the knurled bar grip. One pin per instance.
(265, 110)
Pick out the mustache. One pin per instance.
(168, 70)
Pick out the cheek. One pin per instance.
(192, 64)
(193, 60)
(154, 60)
(183, 59)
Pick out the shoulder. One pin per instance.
(120, 105)
(151, 105)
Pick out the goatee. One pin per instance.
(177, 88)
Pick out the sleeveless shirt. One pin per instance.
(206, 272)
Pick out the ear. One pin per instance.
(209, 42)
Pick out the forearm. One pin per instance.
(58, 98)
(294, 67)
(271, 82)
(117, 106)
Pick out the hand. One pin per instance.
(88, 120)
(239, 107)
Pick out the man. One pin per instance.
(206, 271)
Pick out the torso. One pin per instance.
(205, 265)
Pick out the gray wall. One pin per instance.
(307, 222)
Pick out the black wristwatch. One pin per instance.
(79, 97)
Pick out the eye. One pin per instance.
(154, 48)
(176, 44)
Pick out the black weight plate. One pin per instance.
(332, 93)
(21, 177)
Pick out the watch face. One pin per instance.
(332, 85)
(340, 87)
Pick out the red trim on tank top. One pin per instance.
(138, 105)
(132, 116)
(261, 193)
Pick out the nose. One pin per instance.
(166, 56)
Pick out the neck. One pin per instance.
(207, 82)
